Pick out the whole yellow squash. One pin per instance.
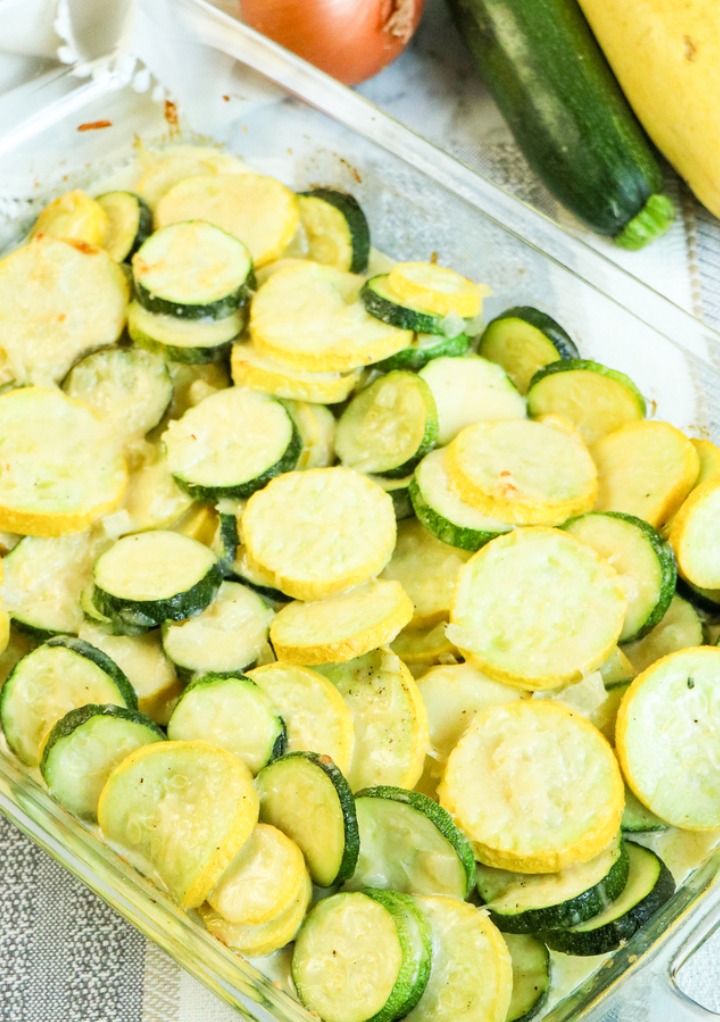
(666, 56)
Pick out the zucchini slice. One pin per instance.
(695, 538)
(595, 399)
(59, 473)
(73, 285)
(305, 796)
(443, 513)
(389, 426)
(409, 843)
(471, 977)
(391, 728)
(649, 886)
(192, 341)
(252, 369)
(232, 713)
(436, 289)
(523, 472)
(679, 629)
(192, 270)
(309, 316)
(383, 303)
(259, 939)
(186, 807)
(336, 229)
(262, 881)
(468, 390)
(531, 975)
(399, 492)
(534, 786)
(537, 608)
(148, 670)
(152, 577)
(667, 733)
(73, 216)
(523, 340)
(231, 444)
(258, 210)
(342, 626)
(43, 582)
(128, 390)
(427, 569)
(316, 717)
(129, 223)
(637, 818)
(51, 680)
(522, 903)
(645, 469)
(642, 559)
(84, 746)
(316, 425)
(226, 637)
(362, 956)
(319, 532)
(425, 348)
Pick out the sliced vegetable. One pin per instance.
(637, 818)
(336, 229)
(129, 223)
(252, 369)
(694, 536)
(537, 608)
(363, 956)
(186, 807)
(595, 399)
(389, 426)
(531, 973)
(192, 270)
(383, 303)
(563, 812)
(74, 216)
(306, 797)
(232, 713)
(680, 628)
(409, 843)
(84, 746)
(342, 626)
(523, 340)
(425, 348)
(650, 885)
(192, 341)
(59, 474)
(526, 473)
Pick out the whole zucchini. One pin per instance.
(666, 56)
(567, 113)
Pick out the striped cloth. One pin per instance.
(64, 955)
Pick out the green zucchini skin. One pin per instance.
(567, 113)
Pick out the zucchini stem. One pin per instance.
(651, 222)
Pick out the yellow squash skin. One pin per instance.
(666, 57)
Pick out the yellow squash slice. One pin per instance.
(695, 536)
(645, 469)
(391, 728)
(319, 532)
(76, 216)
(537, 608)
(522, 472)
(161, 170)
(341, 627)
(58, 300)
(427, 569)
(57, 472)
(425, 646)
(258, 210)
(308, 316)
(185, 807)
(316, 716)
(250, 368)
(260, 939)
(534, 786)
(668, 735)
(471, 978)
(262, 881)
(436, 289)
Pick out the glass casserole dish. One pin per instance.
(233, 87)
